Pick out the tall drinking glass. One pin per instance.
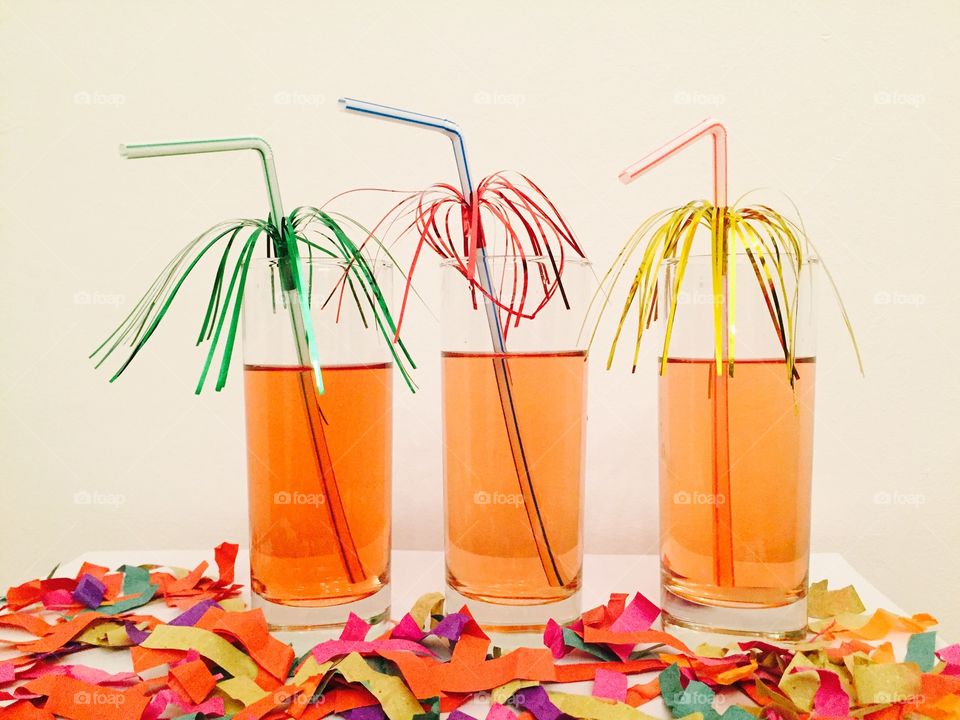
(319, 466)
(736, 453)
(514, 428)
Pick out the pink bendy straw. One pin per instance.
(713, 128)
(722, 511)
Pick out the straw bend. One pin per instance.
(133, 151)
(716, 130)
(429, 122)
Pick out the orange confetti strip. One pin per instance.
(78, 700)
(878, 626)
(654, 637)
(25, 710)
(114, 585)
(195, 678)
(250, 629)
(641, 693)
(210, 618)
(891, 712)
(735, 675)
(33, 624)
(61, 634)
(97, 571)
(934, 687)
(278, 699)
(147, 658)
(883, 654)
(225, 556)
(170, 585)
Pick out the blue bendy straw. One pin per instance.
(511, 421)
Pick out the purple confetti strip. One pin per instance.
(536, 701)
(369, 712)
(451, 627)
(135, 634)
(459, 715)
(194, 613)
(89, 591)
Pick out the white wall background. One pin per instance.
(849, 108)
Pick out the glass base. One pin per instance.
(782, 622)
(373, 609)
(508, 624)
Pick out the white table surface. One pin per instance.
(415, 572)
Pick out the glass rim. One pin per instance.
(576, 260)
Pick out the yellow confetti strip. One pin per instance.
(505, 692)
(106, 634)
(800, 685)
(706, 650)
(592, 708)
(211, 646)
(824, 603)
(310, 668)
(393, 695)
(886, 683)
(242, 689)
(426, 606)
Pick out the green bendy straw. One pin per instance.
(282, 232)
(288, 257)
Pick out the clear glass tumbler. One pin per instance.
(514, 429)
(736, 454)
(319, 465)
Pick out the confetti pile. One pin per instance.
(217, 659)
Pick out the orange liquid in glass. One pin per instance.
(492, 550)
(740, 538)
(319, 482)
